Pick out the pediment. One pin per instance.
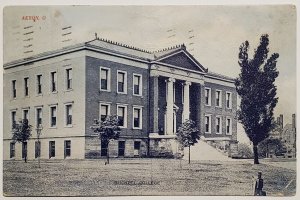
(183, 60)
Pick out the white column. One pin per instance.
(186, 101)
(170, 106)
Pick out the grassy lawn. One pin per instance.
(134, 176)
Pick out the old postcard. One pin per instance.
(192, 100)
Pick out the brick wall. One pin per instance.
(223, 111)
(94, 95)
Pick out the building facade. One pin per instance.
(152, 93)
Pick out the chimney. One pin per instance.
(294, 121)
(281, 121)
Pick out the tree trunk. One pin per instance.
(107, 154)
(25, 152)
(189, 154)
(255, 154)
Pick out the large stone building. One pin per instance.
(152, 93)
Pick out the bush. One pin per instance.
(244, 151)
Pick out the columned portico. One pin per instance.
(170, 106)
(186, 100)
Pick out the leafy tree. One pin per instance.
(270, 145)
(108, 130)
(21, 132)
(255, 86)
(188, 135)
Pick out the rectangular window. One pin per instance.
(137, 84)
(104, 111)
(39, 84)
(207, 96)
(228, 126)
(37, 149)
(53, 116)
(13, 117)
(67, 148)
(24, 149)
(121, 151)
(228, 100)
(51, 149)
(53, 81)
(69, 114)
(26, 86)
(207, 123)
(218, 125)
(104, 79)
(38, 116)
(26, 114)
(122, 116)
(69, 78)
(12, 150)
(137, 145)
(122, 82)
(137, 118)
(218, 98)
(14, 89)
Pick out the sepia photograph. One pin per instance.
(149, 100)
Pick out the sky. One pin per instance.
(212, 34)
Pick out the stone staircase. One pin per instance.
(204, 151)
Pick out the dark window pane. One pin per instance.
(103, 117)
(136, 122)
(53, 121)
(51, 149)
(136, 89)
(120, 87)
(37, 149)
(121, 121)
(137, 145)
(67, 148)
(12, 150)
(121, 151)
(103, 84)
(14, 90)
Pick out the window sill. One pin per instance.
(138, 95)
(228, 133)
(69, 90)
(137, 128)
(55, 92)
(122, 127)
(53, 127)
(207, 132)
(68, 126)
(101, 90)
(220, 107)
(121, 92)
(37, 95)
(208, 105)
